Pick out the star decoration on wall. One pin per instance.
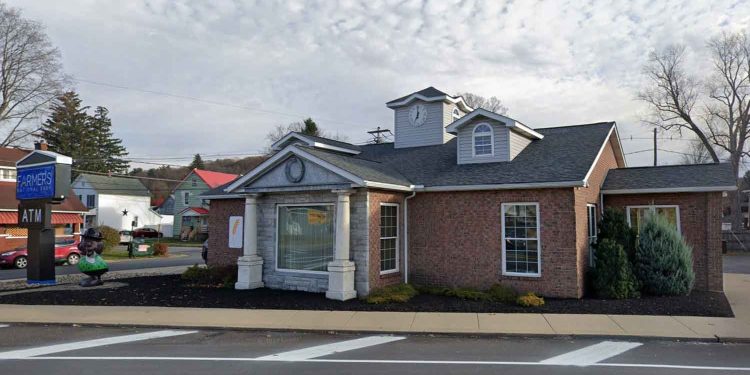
(125, 212)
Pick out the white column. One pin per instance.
(250, 264)
(341, 270)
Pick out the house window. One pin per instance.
(194, 183)
(305, 237)
(456, 114)
(636, 215)
(482, 136)
(7, 174)
(591, 218)
(186, 197)
(91, 201)
(388, 238)
(521, 245)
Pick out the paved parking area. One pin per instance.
(737, 263)
(75, 350)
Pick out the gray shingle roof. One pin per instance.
(116, 185)
(366, 169)
(564, 154)
(428, 92)
(671, 177)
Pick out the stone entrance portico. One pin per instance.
(257, 266)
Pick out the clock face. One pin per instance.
(417, 115)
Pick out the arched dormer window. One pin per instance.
(456, 114)
(483, 140)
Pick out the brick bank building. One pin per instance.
(462, 197)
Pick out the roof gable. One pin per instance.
(211, 178)
(429, 94)
(509, 122)
(314, 141)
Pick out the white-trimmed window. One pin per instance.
(8, 174)
(186, 197)
(482, 140)
(592, 230)
(636, 215)
(521, 240)
(456, 114)
(91, 201)
(305, 237)
(388, 238)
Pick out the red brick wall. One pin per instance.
(455, 240)
(375, 198)
(590, 195)
(219, 252)
(700, 222)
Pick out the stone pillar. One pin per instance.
(250, 264)
(341, 270)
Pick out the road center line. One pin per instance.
(4, 326)
(328, 349)
(592, 354)
(51, 349)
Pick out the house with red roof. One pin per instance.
(190, 210)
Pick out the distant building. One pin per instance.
(190, 210)
(122, 203)
(66, 216)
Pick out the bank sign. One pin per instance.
(36, 182)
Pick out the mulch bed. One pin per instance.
(171, 291)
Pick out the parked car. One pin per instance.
(65, 252)
(146, 233)
(126, 237)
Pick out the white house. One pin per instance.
(119, 202)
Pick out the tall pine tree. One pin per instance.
(87, 139)
(197, 162)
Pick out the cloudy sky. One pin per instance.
(252, 65)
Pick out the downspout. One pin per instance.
(406, 236)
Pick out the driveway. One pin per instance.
(739, 263)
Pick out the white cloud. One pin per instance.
(552, 63)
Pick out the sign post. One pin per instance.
(43, 179)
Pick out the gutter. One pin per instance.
(406, 234)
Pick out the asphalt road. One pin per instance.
(193, 257)
(103, 350)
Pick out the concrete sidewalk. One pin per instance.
(727, 329)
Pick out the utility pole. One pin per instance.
(654, 147)
(376, 134)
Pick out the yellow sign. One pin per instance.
(316, 217)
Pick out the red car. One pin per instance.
(146, 233)
(65, 252)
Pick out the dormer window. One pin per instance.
(456, 114)
(483, 140)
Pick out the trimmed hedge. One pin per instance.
(399, 293)
(530, 300)
(613, 275)
(213, 276)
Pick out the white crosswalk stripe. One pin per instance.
(328, 349)
(51, 349)
(592, 354)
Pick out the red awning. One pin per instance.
(11, 217)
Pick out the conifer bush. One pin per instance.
(613, 275)
(663, 261)
(614, 226)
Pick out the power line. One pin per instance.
(206, 101)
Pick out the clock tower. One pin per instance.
(420, 118)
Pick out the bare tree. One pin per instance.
(307, 126)
(715, 107)
(492, 104)
(697, 153)
(30, 75)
